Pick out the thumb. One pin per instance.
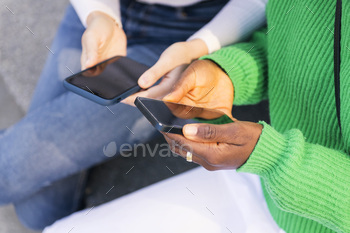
(210, 132)
(163, 66)
(151, 76)
(90, 51)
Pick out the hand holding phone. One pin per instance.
(204, 84)
(102, 39)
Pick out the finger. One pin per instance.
(184, 85)
(83, 59)
(153, 74)
(168, 61)
(233, 133)
(131, 99)
(155, 92)
(157, 71)
(90, 50)
(179, 150)
(211, 153)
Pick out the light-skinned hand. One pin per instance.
(160, 90)
(170, 65)
(102, 39)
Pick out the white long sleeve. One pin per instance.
(233, 23)
(109, 7)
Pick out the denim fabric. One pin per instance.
(43, 157)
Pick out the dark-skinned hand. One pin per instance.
(204, 84)
(217, 147)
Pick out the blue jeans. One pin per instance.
(43, 158)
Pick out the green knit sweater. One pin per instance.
(304, 170)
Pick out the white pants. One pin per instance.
(195, 201)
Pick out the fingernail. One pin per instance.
(190, 130)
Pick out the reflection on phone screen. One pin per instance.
(173, 114)
(111, 78)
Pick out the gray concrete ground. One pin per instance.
(26, 28)
(10, 113)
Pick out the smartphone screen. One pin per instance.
(171, 117)
(110, 78)
(161, 112)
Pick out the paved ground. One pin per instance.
(26, 27)
(10, 113)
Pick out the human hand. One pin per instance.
(217, 147)
(170, 65)
(101, 40)
(160, 90)
(180, 53)
(204, 84)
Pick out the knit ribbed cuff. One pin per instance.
(211, 40)
(268, 151)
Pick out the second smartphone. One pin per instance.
(171, 117)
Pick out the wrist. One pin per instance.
(197, 47)
(95, 15)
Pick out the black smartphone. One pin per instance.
(170, 117)
(108, 82)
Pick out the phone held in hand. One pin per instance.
(108, 82)
(170, 117)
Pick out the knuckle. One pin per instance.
(209, 132)
(177, 142)
(86, 35)
(186, 147)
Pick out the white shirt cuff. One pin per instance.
(109, 7)
(209, 39)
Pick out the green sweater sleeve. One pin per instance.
(246, 65)
(302, 178)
